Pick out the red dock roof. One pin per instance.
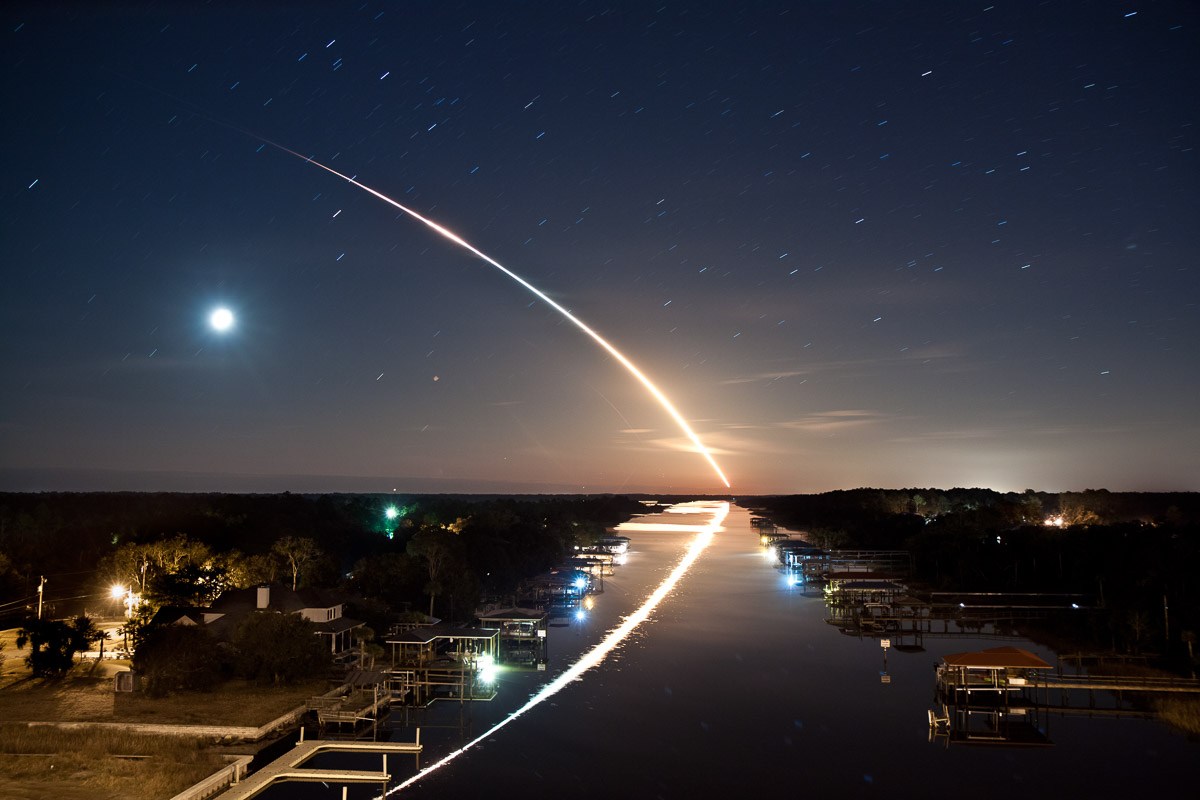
(997, 658)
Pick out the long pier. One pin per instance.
(1117, 683)
(289, 767)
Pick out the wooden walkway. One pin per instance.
(288, 767)
(350, 709)
(1117, 684)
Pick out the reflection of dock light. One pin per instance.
(793, 580)
(588, 603)
(597, 654)
(580, 615)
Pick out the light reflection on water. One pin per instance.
(736, 683)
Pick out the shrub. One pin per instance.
(177, 657)
(279, 648)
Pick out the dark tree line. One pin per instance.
(450, 553)
(1133, 556)
(183, 549)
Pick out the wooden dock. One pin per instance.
(350, 709)
(1118, 684)
(289, 767)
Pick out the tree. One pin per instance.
(53, 643)
(438, 549)
(138, 565)
(189, 584)
(177, 657)
(247, 571)
(365, 636)
(296, 552)
(279, 648)
(393, 578)
(136, 626)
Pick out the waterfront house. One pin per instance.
(322, 608)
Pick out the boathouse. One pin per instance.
(441, 662)
(997, 669)
(559, 589)
(990, 697)
(522, 635)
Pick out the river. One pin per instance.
(735, 684)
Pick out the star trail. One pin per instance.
(863, 244)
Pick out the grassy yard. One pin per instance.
(233, 703)
(79, 697)
(49, 764)
(85, 694)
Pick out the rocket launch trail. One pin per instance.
(600, 340)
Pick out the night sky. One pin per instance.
(856, 243)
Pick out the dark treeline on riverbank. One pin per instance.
(1133, 556)
(183, 548)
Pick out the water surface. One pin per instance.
(736, 685)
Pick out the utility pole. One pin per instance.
(41, 587)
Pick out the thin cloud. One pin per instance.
(830, 421)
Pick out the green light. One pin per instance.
(391, 513)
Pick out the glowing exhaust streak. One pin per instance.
(598, 653)
(625, 362)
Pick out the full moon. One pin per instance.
(221, 319)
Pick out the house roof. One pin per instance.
(173, 615)
(427, 635)
(339, 625)
(996, 658)
(281, 598)
(509, 614)
(320, 598)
